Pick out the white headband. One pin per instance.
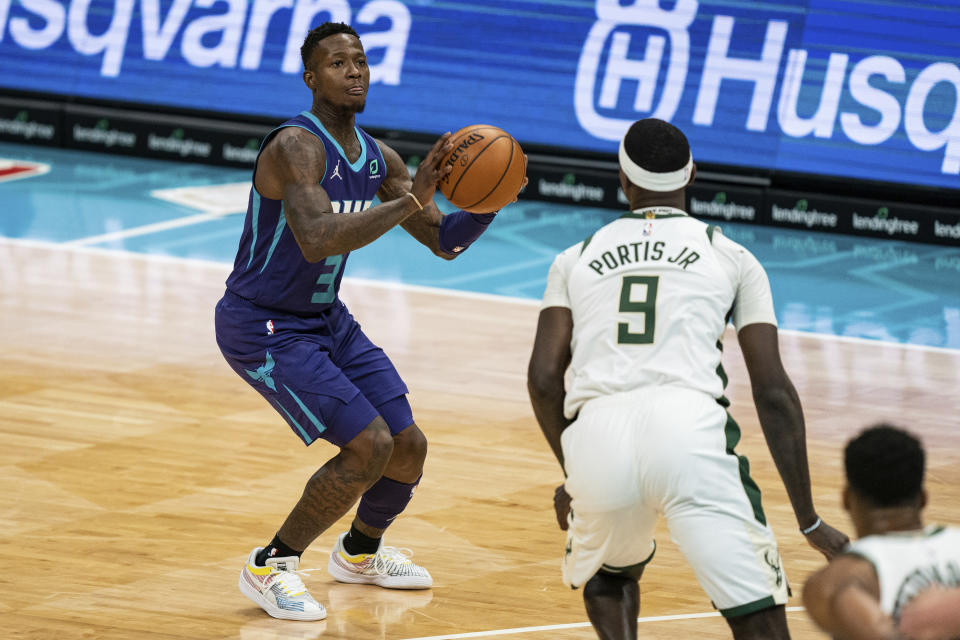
(668, 181)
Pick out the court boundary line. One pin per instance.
(571, 625)
(403, 286)
(132, 232)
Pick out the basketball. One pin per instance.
(488, 169)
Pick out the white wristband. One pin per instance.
(812, 528)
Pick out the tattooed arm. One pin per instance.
(291, 167)
(423, 225)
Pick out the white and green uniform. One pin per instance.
(650, 294)
(911, 561)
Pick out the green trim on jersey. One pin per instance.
(720, 370)
(656, 216)
(722, 374)
(710, 229)
(732, 433)
(586, 241)
(750, 607)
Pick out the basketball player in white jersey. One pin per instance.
(864, 592)
(634, 316)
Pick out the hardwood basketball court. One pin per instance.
(139, 470)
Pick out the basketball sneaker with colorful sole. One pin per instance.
(389, 567)
(278, 590)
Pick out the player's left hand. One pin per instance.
(827, 540)
(561, 505)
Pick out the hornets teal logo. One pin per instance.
(262, 374)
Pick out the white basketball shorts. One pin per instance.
(632, 456)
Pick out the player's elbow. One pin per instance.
(543, 383)
(775, 394)
(440, 253)
(317, 249)
(314, 255)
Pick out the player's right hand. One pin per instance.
(827, 540)
(432, 169)
(561, 505)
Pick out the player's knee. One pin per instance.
(371, 448)
(769, 624)
(410, 447)
(605, 586)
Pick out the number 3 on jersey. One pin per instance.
(647, 306)
(325, 295)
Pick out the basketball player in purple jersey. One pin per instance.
(284, 330)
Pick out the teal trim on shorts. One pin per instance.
(750, 607)
(316, 422)
(732, 433)
(306, 438)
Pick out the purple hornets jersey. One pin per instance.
(270, 269)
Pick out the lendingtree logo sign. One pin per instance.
(569, 188)
(942, 230)
(882, 222)
(177, 143)
(104, 135)
(720, 208)
(247, 153)
(800, 213)
(21, 126)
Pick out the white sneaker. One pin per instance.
(389, 567)
(278, 589)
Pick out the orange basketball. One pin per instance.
(488, 169)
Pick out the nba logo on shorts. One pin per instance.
(616, 28)
(269, 327)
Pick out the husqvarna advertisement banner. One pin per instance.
(858, 89)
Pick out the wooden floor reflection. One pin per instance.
(138, 470)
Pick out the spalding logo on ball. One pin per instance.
(488, 169)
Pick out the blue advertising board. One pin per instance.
(855, 89)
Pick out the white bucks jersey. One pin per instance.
(910, 562)
(651, 294)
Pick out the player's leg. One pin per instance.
(613, 604)
(337, 485)
(359, 555)
(294, 373)
(609, 539)
(391, 493)
(713, 510)
(769, 623)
